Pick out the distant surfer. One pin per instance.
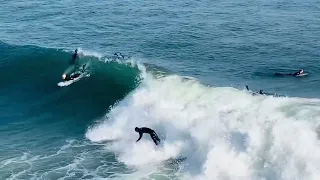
(119, 55)
(70, 73)
(149, 131)
(74, 58)
(298, 73)
(260, 92)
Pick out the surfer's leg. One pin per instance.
(155, 139)
(83, 66)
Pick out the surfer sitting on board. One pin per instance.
(153, 134)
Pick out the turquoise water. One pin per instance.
(187, 65)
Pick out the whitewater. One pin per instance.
(213, 132)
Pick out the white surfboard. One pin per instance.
(67, 83)
(303, 74)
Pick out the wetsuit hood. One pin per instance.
(137, 129)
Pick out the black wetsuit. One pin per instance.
(119, 55)
(73, 59)
(289, 74)
(261, 91)
(152, 133)
(296, 73)
(76, 74)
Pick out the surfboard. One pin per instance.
(300, 75)
(68, 70)
(67, 83)
(303, 74)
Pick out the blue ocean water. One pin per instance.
(188, 63)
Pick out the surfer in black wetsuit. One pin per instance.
(261, 91)
(152, 133)
(74, 58)
(254, 93)
(119, 55)
(73, 62)
(298, 73)
(291, 74)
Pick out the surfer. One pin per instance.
(70, 77)
(119, 55)
(298, 73)
(75, 74)
(74, 58)
(260, 92)
(71, 71)
(151, 132)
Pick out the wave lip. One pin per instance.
(224, 133)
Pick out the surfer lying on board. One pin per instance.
(260, 92)
(151, 132)
(74, 75)
(300, 72)
(71, 77)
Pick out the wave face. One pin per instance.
(33, 73)
(43, 124)
(222, 132)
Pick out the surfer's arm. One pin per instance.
(140, 136)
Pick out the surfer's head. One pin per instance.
(137, 129)
(76, 51)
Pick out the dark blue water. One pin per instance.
(51, 132)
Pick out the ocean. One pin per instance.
(184, 75)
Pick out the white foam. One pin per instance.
(86, 52)
(224, 133)
(89, 53)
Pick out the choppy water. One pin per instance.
(189, 62)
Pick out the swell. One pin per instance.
(29, 77)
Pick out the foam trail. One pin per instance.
(224, 133)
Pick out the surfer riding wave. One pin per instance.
(71, 72)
